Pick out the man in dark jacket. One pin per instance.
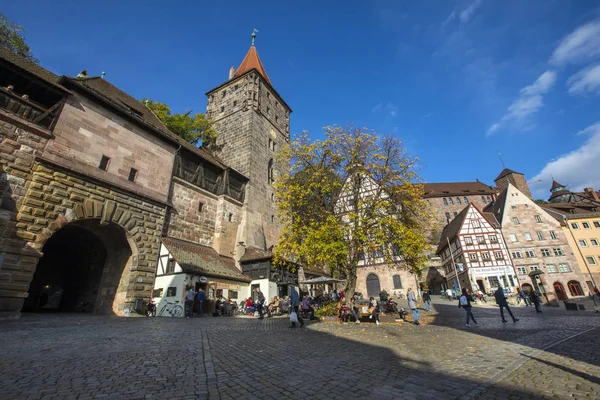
(260, 301)
(503, 303)
(464, 301)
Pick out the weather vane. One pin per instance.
(254, 32)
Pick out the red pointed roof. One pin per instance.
(556, 185)
(252, 61)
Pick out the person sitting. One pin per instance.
(307, 308)
(343, 311)
(355, 311)
(273, 306)
(250, 307)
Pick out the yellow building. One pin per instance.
(581, 224)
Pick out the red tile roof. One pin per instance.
(250, 62)
(443, 189)
(506, 171)
(255, 254)
(203, 260)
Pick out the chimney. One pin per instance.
(592, 193)
(231, 72)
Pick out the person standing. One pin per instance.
(449, 294)
(502, 301)
(535, 299)
(189, 302)
(354, 309)
(465, 303)
(427, 300)
(294, 304)
(412, 304)
(200, 301)
(260, 300)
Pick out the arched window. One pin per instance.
(445, 201)
(559, 289)
(466, 200)
(483, 200)
(575, 288)
(397, 282)
(270, 176)
(373, 287)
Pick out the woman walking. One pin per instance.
(465, 302)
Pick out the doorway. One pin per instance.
(559, 289)
(373, 287)
(481, 285)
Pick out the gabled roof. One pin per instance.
(573, 210)
(506, 171)
(250, 62)
(453, 228)
(256, 254)
(443, 189)
(491, 218)
(196, 259)
(31, 67)
(497, 207)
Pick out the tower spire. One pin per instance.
(254, 32)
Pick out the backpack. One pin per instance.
(464, 301)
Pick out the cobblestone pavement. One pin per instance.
(88, 357)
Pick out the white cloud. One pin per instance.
(530, 100)
(580, 45)
(377, 107)
(585, 81)
(575, 169)
(466, 14)
(392, 109)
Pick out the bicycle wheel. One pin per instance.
(177, 311)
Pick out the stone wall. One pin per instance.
(86, 131)
(386, 280)
(440, 210)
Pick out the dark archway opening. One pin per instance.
(81, 269)
(559, 289)
(373, 287)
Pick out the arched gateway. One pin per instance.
(89, 261)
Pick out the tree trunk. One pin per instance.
(351, 279)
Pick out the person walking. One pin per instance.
(481, 296)
(449, 294)
(427, 300)
(294, 304)
(465, 303)
(523, 296)
(200, 301)
(502, 301)
(189, 302)
(260, 301)
(412, 304)
(374, 309)
(535, 299)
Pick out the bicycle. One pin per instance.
(175, 311)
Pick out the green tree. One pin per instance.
(12, 38)
(193, 128)
(348, 197)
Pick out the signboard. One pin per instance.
(490, 270)
(203, 279)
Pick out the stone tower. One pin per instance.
(516, 179)
(253, 123)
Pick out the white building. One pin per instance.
(477, 256)
(182, 264)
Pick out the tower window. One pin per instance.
(270, 176)
(272, 218)
(230, 217)
(235, 87)
(104, 163)
(268, 110)
(272, 197)
(235, 103)
(224, 93)
(276, 118)
(132, 174)
(222, 108)
(200, 206)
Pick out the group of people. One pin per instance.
(465, 299)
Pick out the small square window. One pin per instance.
(522, 270)
(498, 255)
(485, 256)
(132, 174)
(538, 219)
(594, 242)
(513, 237)
(546, 252)
(468, 241)
(591, 260)
(530, 254)
(597, 224)
(583, 243)
(575, 225)
(455, 214)
(493, 239)
(475, 224)
(516, 254)
(563, 267)
(540, 235)
(553, 235)
(480, 240)
(586, 225)
(528, 237)
(473, 257)
(516, 220)
(172, 291)
(551, 268)
(558, 251)
(104, 161)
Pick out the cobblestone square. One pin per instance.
(76, 356)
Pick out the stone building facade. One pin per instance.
(508, 176)
(541, 254)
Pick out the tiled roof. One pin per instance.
(443, 189)
(491, 218)
(506, 171)
(30, 67)
(203, 260)
(556, 185)
(250, 62)
(255, 254)
(497, 207)
(573, 210)
(137, 110)
(453, 228)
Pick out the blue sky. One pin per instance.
(457, 81)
